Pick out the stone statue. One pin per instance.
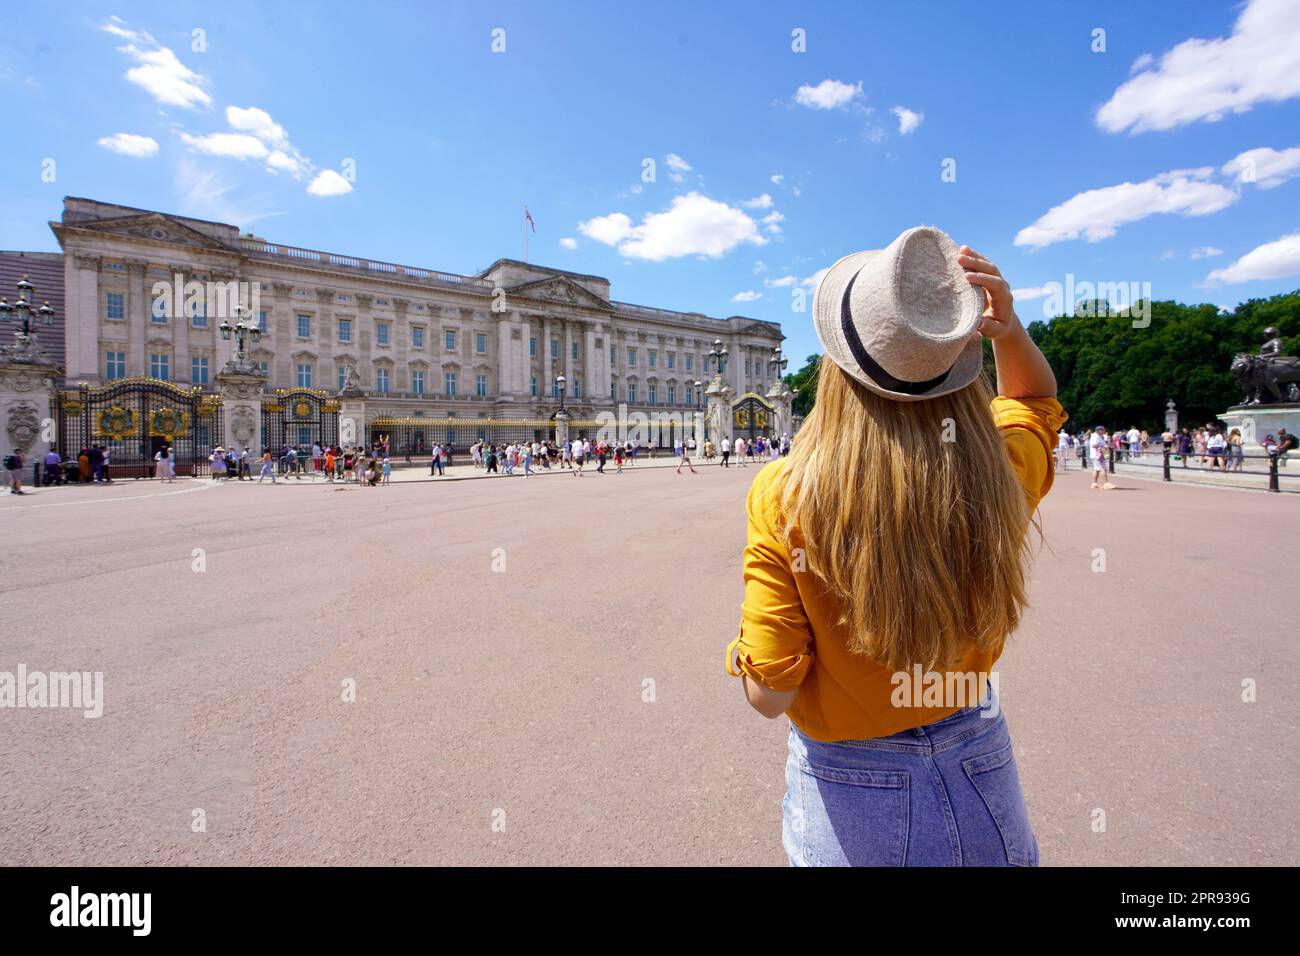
(1269, 377)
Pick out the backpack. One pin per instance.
(11, 462)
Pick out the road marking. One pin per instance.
(104, 501)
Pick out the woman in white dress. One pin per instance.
(162, 465)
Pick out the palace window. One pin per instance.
(631, 358)
(345, 330)
(198, 370)
(613, 391)
(417, 383)
(480, 343)
(264, 368)
(341, 371)
(417, 336)
(480, 386)
(653, 391)
(263, 321)
(304, 326)
(114, 365)
(199, 314)
(534, 386)
(631, 391)
(672, 394)
(115, 306)
(158, 310)
(304, 375)
(381, 381)
(672, 359)
(577, 387)
(450, 340)
(650, 358)
(532, 347)
(574, 350)
(381, 333)
(160, 365)
(555, 348)
(688, 362)
(449, 385)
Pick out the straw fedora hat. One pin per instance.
(902, 320)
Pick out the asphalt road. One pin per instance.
(504, 716)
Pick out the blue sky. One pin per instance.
(394, 131)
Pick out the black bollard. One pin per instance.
(1167, 478)
(1272, 473)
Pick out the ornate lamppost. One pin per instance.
(244, 329)
(25, 347)
(699, 396)
(559, 384)
(718, 355)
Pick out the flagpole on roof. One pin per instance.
(525, 225)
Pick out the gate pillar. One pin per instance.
(241, 394)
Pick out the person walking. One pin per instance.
(725, 446)
(1097, 445)
(834, 627)
(739, 449)
(14, 464)
(684, 458)
(268, 466)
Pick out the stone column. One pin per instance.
(281, 334)
(241, 412)
(82, 317)
(561, 428)
(137, 322)
(699, 434)
(352, 418)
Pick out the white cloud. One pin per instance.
(746, 296)
(1031, 293)
(568, 242)
(814, 280)
(759, 266)
(201, 192)
(777, 179)
(758, 202)
(611, 229)
(1097, 213)
(129, 144)
(678, 166)
(1205, 252)
(228, 145)
(827, 95)
(1204, 80)
(781, 283)
(770, 222)
(1264, 167)
(908, 120)
(1141, 63)
(1166, 255)
(158, 71)
(1273, 260)
(693, 225)
(258, 122)
(329, 183)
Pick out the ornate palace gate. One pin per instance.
(751, 417)
(300, 417)
(133, 419)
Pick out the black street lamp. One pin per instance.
(698, 406)
(25, 334)
(559, 382)
(778, 361)
(718, 354)
(245, 328)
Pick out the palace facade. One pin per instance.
(419, 342)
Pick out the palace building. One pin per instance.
(414, 342)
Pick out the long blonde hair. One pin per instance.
(911, 516)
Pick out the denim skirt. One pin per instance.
(945, 794)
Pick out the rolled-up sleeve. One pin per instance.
(1029, 427)
(775, 644)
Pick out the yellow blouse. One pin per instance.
(788, 637)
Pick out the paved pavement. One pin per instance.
(520, 698)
